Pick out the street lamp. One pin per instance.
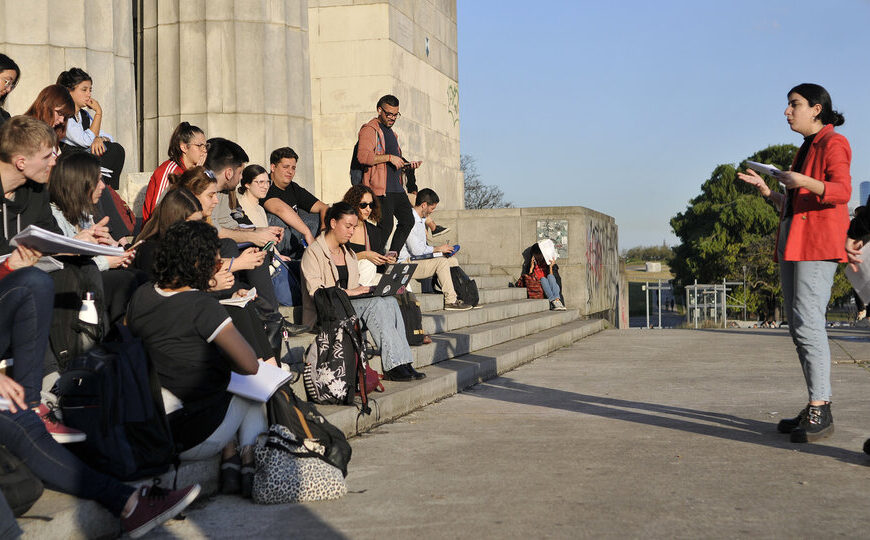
(744, 292)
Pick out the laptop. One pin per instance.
(395, 277)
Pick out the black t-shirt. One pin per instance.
(295, 196)
(391, 147)
(342, 275)
(798, 166)
(376, 240)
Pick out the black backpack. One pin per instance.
(304, 420)
(412, 317)
(466, 288)
(67, 333)
(357, 169)
(112, 393)
(335, 362)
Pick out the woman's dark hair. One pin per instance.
(195, 179)
(355, 194)
(73, 77)
(187, 256)
(72, 183)
(177, 205)
(49, 99)
(336, 212)
(248, 174)
(183, 133)
(817, 95)
(8, 63)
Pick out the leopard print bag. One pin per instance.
(289, 470)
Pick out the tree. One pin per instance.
(649, 253)
(477, 194)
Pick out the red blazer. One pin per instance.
(819, 224)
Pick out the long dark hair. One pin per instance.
(72, 183)
(187, 256)
(817, 95)
(8, 63)
(177, 205)
(183, 133)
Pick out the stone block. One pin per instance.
(68, 25)
(221, 66)
(336, 131)
(169, 11)
(169, 75)
(250, 61)
(352, 24)
(297, 75)
(190, 82)
(250, 10)
(220, 10)
(354, 95)
(334, 175)
(99, 25)
(338, 59)
(28, 26)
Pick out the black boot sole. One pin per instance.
(803, 436)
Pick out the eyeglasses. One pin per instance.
(202, 146)
(364, 205)
(9, 83)
(391, 115)
(262, 182)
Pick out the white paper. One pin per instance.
(261, 386)
(764, 168)
(240, 301)
(860, 280)
(46, 264)
(48, 243)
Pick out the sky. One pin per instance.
(627, 107)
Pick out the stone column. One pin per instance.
(237, 69)
(46, 37)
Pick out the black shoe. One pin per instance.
(416, 374)
(816, 425)
(231, 475)
(439, 230)
(399, 373)
(867, 446)
(247, 480)
(787, 425)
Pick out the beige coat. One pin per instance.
(318, 271)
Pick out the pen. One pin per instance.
(230, 268)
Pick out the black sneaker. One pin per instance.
(155, 506)
(231, 475)
(867, 446)
(399, 373)
(439, 230)
(787, 425)
(816, 425)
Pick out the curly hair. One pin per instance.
(50, 98)
(71, 184)
(177, 205)
(195, 179)
(187, 256)
(355, 194)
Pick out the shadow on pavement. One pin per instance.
(711, 424)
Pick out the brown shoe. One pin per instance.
(458, 305)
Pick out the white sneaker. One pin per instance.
(558, 306)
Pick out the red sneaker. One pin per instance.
(58, 431)
(156, 506)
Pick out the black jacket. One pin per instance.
(30, 206)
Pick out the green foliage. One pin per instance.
(649, 253)
(729, 226)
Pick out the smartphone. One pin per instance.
(268, 245)
(391, 254)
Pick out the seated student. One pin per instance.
(328, 262)
(367, 241)
(187, 148)
(181, 205)
(26, 299)
(75, 186)
(54, 106)
(415, 245)
(291, 205)
(195, 346)
(536, 264)
(83, 131)
(9, 75)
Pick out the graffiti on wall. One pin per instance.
(557, 231)
(602, 266)
(453, 102)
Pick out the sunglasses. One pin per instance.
(364, 205)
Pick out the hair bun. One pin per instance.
(837, 118)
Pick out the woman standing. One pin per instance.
(812, 232)
(187, 149)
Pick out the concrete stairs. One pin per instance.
(467, 347)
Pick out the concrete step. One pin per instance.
(57, 515)
(477, 269)
(435, 302)
(492, 282)
(444, 321)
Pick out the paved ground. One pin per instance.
(664, 434)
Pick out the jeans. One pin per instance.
(396, 204)
(245, 417)
(384, 321)
(292, 243)
(551, 287)
(26, 302)
(9, 528)
(806, 289)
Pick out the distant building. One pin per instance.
(863, 193)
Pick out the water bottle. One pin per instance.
(91, 319)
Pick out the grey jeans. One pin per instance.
(384, 320)
(806, 289)
(244, 417)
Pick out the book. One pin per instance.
(261, 386)
(49, 243)
(425, 256)
(240, 301)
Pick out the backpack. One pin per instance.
(18, 485)
(335, 362)
(69, 337)
(466, 288)
(122, 220)
(413, 318)
(112, 393)
(532, 285)
(306, 422)
(357, 169)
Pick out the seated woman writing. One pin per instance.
(328, 262)
(194, 346)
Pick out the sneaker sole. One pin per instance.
(458, 308)
(167, 515)
(804, 437)
(440, 233)
(67, 438)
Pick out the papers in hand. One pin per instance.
(48, 243)
(46, 264)
(261, 386)
(764, 168)
(860, 280)
(240, 301)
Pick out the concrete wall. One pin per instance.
(590, 271)
(236, 68)
(363, 50)
(46, 37)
